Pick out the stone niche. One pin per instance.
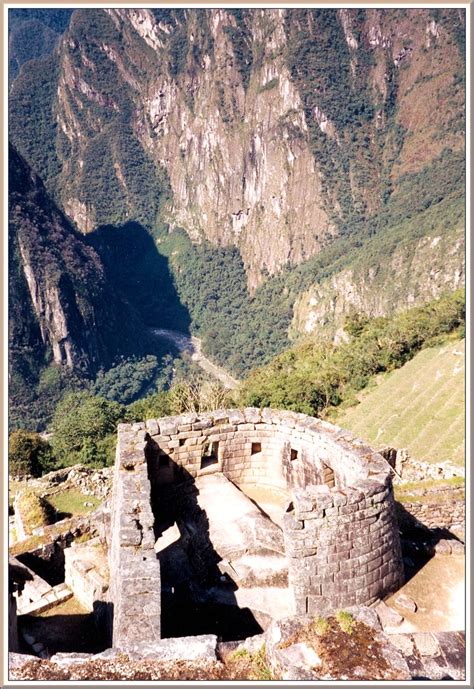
(338, 529)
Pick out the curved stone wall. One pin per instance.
(340, 530)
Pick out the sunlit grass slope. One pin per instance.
(419, 406)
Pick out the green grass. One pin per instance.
(419, 407)
(320, 626)
(72, 502)
(422, 491)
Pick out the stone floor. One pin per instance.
(438, 592)
(272, 501)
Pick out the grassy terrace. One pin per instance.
(419, 406)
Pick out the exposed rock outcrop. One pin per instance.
(271, 126)
(59, 298)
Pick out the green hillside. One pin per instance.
(419, 406)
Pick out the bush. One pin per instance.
(197, 396)
(34, 511)
(315, 376)
(83, 429)
(345, 621)
(151, 407)
(28, 454)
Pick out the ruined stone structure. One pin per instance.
(340, 541)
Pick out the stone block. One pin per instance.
(203, 423)
(252, 415)
(152, 427)
(426, 644)
(168, 427)
(130, 537)
(176, 649)
(189, 434)
(369, 487)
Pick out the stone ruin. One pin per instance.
(187, 510)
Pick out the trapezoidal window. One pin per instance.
(210, 454)
(293, 454)
(328, 476)
(256, 447)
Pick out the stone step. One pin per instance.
(56, 595)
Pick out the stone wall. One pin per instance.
(85, 573)
(340, 530)
(343, 546)
(440, 508)
(135, 591)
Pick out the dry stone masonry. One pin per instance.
(340, 538)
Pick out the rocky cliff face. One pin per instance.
(410, 276)
(270, 130)
(59, 299)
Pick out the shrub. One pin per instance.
(151, 407)
(315, 376)
(320, 626)
(83, 428)
(28, 454)
(196, 396)
(34, 511)
(345, 621)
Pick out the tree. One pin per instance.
(28, 454)
(81, 425)
(197, 396)
(151, 407)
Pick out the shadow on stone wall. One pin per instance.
(192, 585)
(103, 612)
(419, 542)
(48, 561)
(64, 633)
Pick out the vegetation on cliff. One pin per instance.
(241, 331)
(313, 377)
(32, 33)
(66, 320)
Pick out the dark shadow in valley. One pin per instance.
(140, 274)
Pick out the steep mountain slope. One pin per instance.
(413, 263)
(31, 33)
(419, 407)
(61, 309)
(270, 130)
(316, 376)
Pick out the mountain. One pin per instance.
(271, 130)
(294, 166)
(62, 311)
(32, 33)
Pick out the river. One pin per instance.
(193, 346)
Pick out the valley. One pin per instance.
(193, 345)
(236, 334)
